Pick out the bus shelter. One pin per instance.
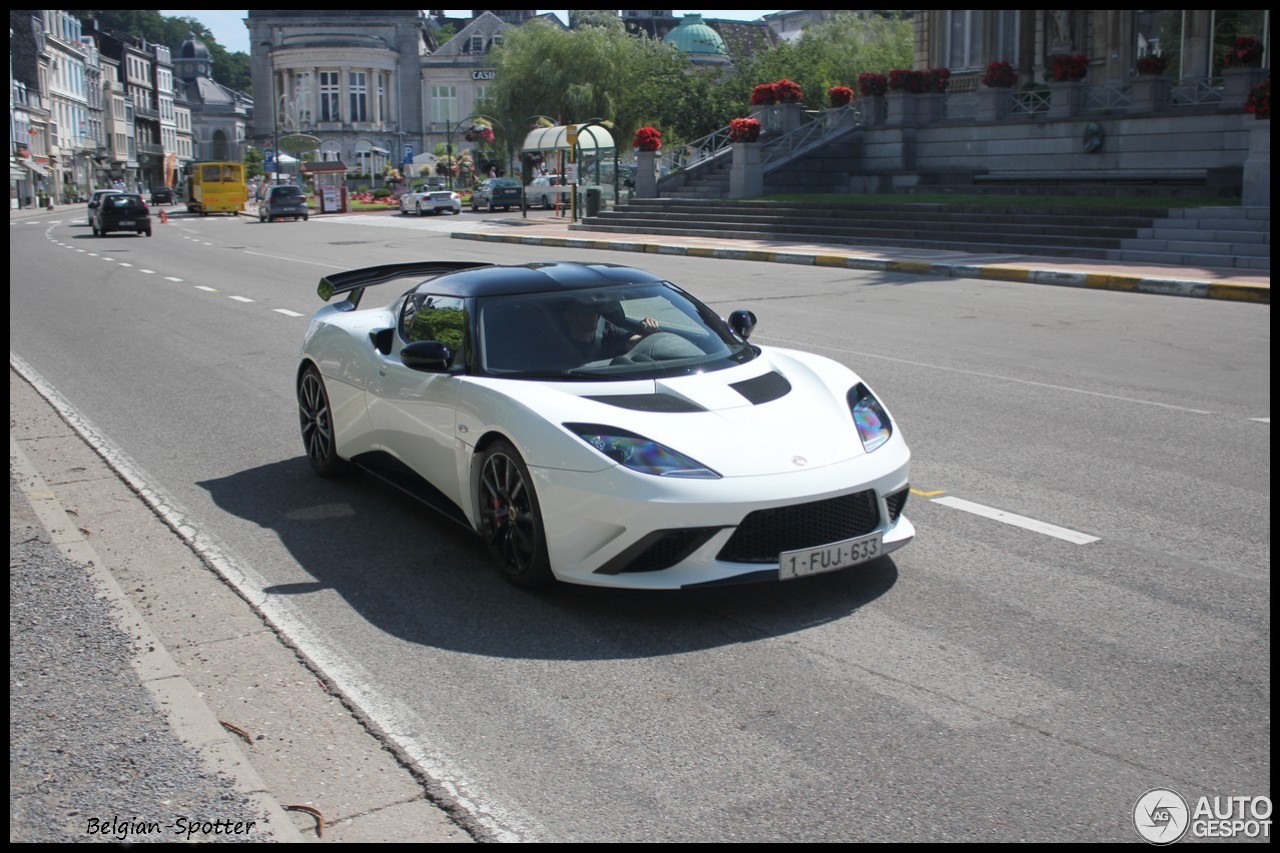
(330, 179)
(585, 154)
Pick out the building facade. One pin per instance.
(219, 117)
(350, 78)
(1191, 43)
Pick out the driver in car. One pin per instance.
(593, 337)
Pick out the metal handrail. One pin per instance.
(700, 150)
(785, 146)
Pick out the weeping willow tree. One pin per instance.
(595, 71)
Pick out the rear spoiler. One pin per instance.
(353, 282)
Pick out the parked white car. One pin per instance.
(424, 201)
(547, 190)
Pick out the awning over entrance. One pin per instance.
(590, 139)
(35, 167)
(318, 166)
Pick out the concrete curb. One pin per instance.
(188, 715)
(1024, 273)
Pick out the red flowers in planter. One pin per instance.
(919, 82)
(1246, 52)
(744, 130)
(782, 92)
(1259, 100)
(839, 96)
(763, 95)
(647, 139)
(788, 92)
(1064, 68)
(871, 84)
(1000, 75)
(1152, 66)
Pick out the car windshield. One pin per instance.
(504, 183)
(122, 201)
(636, 331)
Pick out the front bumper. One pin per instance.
(620, 528)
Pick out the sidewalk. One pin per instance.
(1230, 284)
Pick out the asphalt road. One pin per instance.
(1084, 616)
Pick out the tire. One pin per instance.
(418, 209)
(511, 518)
(316, 421)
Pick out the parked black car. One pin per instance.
(161, 195)
(121, 212)
(496, 192)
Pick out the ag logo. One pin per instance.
(1161, 816)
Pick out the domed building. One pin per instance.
(695, 38)
(219, 116)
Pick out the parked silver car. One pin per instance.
(547, 190)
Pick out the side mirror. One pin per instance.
(427, 356)
(743, 322)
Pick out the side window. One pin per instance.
(436, 318)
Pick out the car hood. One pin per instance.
(784, 411)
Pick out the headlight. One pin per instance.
(872, 421)
(639, 453)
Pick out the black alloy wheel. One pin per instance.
(510, 518)
(316, 419)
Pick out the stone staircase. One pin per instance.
(709, 182)
(1204, 236)
(1213, 237)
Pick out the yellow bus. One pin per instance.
(216, 188)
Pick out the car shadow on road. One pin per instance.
(416, 575)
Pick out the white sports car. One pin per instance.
(596, 424)
(422, 202)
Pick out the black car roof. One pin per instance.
(465, 279)
(552, 276)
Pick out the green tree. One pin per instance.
(254, 163)
(831, 53)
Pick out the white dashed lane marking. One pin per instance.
(1043, 527)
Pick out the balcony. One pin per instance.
(150, 148)
(146, 112)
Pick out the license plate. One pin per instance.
(125, 222)
(828, 558)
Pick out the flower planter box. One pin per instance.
(1066, 99)
(1149, 94)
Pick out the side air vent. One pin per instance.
(764, 388)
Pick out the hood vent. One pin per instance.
(649, 402)
(763, 389)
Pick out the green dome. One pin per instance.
(694, 37)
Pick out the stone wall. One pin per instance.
(886, 158)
